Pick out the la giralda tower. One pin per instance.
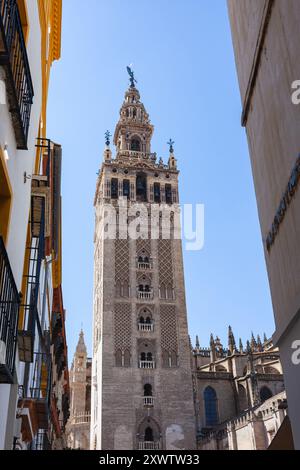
(142, 394)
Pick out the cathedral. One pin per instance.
(142, 391)
(239, 395)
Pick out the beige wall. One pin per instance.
(272, 125)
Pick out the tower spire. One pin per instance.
(231, 340)
(81, 347)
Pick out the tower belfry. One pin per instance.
(142, 396)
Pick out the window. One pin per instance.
(126, 188)
(211, 410)
(135, 145)
(147, 390)
(141, 188)
(156, 192)
(163, 292)
(114, 188)
(149, 434)
(126, 358)
(265, 393)
(168, 194)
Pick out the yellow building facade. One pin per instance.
(30, 230)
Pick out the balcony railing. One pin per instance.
(81, 418)
(147, 364)
(9, 317)
(148, 401)
(148, 445)
(145, 295)
(146, 326)
(144, 266)
(36, 390)
(13, 57)
(29, 309)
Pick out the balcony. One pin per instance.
(35, 253)
(148, 445)
(35, 396)
(13, 57)
(144, 266)
(146, 327)
(81, 418)
(142, 295)
(148, 401)
(147, 364)
(9, 316)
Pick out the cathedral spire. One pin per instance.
(241, 348)
(197, 342)
(231, 340)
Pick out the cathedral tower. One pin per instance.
(142, 395)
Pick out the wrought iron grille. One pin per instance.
(9, 316)
(13, 57)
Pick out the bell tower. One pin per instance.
(142, 396)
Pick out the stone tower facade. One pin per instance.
(142, 394)
(78, 428)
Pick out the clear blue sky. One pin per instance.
(183, 59)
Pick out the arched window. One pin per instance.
(126, 358)
(119, 358)
(142, 320)
(165, 358)
(125, 289)
(135, 145)
(169, 292)
(143, 356)
(147, 390)
(141, 187)
(149, 434)
(148, 321)
(265, 393)
(149, 356)
(118, 289)
(211, 407)
(162, 291)
(126, 188)
(174, 358)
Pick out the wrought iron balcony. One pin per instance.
(143, 295)
(146, 327)
(36, 253)
(147, 364)
(9, 317)
(144, 266)
(36, 391)
(148, 401)
(13, 57)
